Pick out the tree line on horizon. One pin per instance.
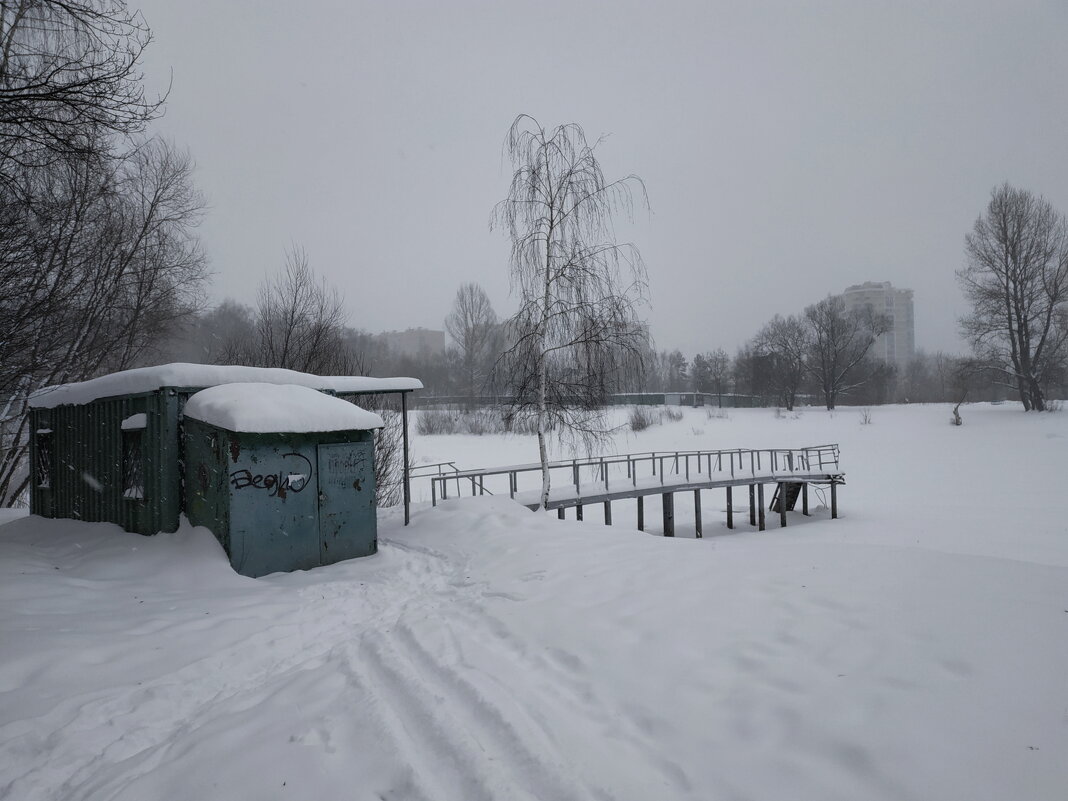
(102, 270)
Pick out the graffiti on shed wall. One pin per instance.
(294, 476)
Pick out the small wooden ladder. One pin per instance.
(789, 492)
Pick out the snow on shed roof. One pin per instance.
(149, 379)
(266, 408)
(346, 384)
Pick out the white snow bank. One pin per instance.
(913, 649)
(149, 379)
(277, 407)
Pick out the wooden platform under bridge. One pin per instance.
(577, 483)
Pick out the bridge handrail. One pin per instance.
(812, 458)
(447, 471)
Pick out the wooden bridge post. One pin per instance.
(752, 504)
(760, 505)
(730, 507)
(697, 511)
(669, 512)
(578, 511)
(782, 505)
(804, 499)
(834, 500)
(560, 513)
(641, 513)
(608, 513)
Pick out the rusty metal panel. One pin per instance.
(347, 519)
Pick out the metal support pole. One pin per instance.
(404, 438)
(730, 507)
(834, 500)
(804, 499)
(760, 504)
(669, 514)
(641, 513)
(697, 511)
(782, 505)
(608, 513)
(433, 492)
(752, 504)
(578, 512)
(560, 513)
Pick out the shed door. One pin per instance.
(347, 524)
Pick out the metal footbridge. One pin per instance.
(576, 483)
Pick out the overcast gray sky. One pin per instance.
(789, 149)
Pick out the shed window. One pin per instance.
(44, 459)
(133, 469)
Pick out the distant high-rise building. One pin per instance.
(898, 345)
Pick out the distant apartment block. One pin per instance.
(415, 341)
(898, 345)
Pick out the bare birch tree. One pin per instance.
(472, 324)
(299, 323)
(788, 341)
(1016, 279)
(576, 332)
(840, 340)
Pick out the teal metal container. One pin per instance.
(282, 501)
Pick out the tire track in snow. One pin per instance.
(553, 679)
(452, 729)
(559, 678)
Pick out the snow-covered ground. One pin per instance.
(916, 648)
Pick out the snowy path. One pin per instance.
(487, 652)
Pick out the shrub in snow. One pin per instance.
(674, 415)
(641, 417)
(431, 422)
(478, 422)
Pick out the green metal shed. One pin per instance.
(111, 449)
(282, 475)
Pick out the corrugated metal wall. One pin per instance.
(87, 463)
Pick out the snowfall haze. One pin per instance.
(789, 150)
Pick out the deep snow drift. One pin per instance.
(913, 649)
